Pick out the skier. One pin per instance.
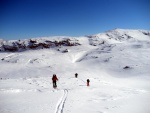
(88, 82)
(76, 75)
(54, 79)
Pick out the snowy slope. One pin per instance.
(117, 63)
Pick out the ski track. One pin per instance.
(61, 104)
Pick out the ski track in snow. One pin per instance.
(61, 104)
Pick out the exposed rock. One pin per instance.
(36, 44)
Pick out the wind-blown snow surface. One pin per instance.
(117, 63)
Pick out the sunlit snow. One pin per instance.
(117, 63)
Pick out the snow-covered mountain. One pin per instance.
(117, 62)
(109, 37)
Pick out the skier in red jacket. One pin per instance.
(54, 79)
(88, 82)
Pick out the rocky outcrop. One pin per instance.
(15, 46)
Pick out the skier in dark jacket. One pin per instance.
(54, 79)
(88, 82)
(76, 75)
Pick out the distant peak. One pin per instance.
(119, 29)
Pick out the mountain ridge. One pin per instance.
(108, 37)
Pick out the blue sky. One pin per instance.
(22, 19)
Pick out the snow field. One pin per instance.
(26, 85)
